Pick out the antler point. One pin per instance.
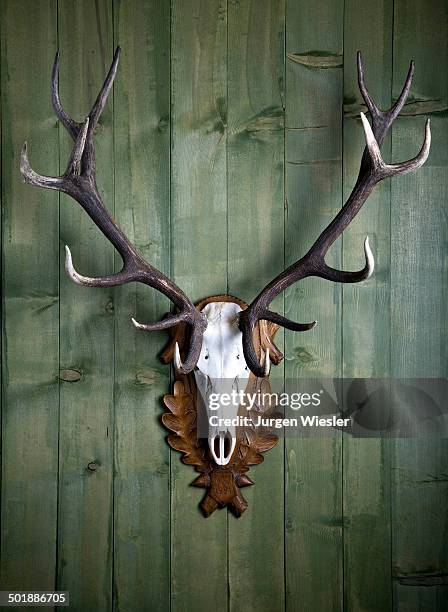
(135, 323)
(68, 258)
(70, 269)
(25, 167)
(177, 360)
(367, 128)
(24, 152)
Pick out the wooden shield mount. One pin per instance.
(223, 483)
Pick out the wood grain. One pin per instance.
(142, 208)
(366, 310)
(313, 496)
(255, 178)
(199, 263)
(30, 302)
(87, 328)
(418, 299)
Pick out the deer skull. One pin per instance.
(220, 332)
(221, 369)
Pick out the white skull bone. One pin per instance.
(221, 368)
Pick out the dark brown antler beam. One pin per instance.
(373, 170)
(79, 182)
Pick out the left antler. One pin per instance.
(79, 182)
(373, 170)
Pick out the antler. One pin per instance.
(79, 182)
(373, 170)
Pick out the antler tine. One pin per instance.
(274, 317)
(88, 161)
(70, 124)
(382, 120)
(74, 162)
(112, 280)
(79, 182)
(166, 323)
(197, 331)
(101, 99)
(60, 183)
(373, 108)
(340, 276)
(401, 100)
(383, 170)
(33, 178)
(373, 169)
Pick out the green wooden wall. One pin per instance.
(230, 141)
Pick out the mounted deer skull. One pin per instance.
(221, 368)
(226, 340)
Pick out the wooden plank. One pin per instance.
(255, 177)
(419, 291)
(87, 328)
(30, 306)
(313, 495)
(142, 182)
(366, 310)
(199, 263)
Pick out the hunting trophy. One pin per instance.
(221, 338)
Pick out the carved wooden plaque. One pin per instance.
(222, 482)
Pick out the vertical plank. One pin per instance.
(199, 262)
(419, 291)
(255, 175)
(30, 301)
(366, 310)
(87, 329)
(2, 323)
(313, 496)
(142, 183)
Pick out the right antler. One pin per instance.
(79, 182)
(373, 170)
